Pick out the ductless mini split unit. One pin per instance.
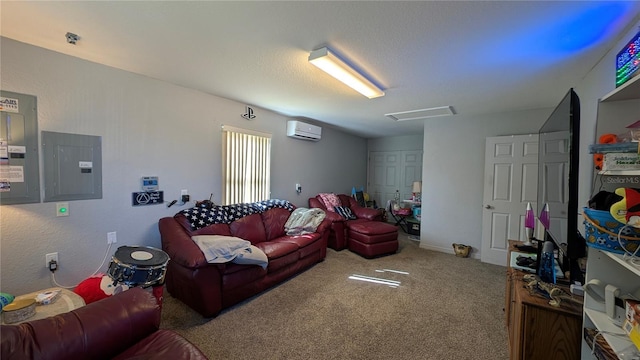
(303, 131)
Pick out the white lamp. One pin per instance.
(417, 189)
(334, 66)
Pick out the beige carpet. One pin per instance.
(445, 308)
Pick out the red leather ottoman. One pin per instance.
(373, 238)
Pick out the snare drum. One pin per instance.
(138, 266)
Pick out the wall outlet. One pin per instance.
(49, 257)
(111, 238)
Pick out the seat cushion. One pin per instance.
(372, 227)
(280, 254)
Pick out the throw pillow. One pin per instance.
(98, 287)
(330, 201)
(345, 212)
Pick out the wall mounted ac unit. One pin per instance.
(303, 131)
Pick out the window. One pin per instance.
(246, 165)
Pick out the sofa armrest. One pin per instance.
(163, 344)
(177, 243)
(315, 203)
(100, 330)
(324, 226)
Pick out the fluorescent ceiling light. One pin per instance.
(421, 114)
(332, 65)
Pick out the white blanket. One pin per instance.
(304, 221)
(219, 249)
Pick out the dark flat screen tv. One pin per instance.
(558, 155)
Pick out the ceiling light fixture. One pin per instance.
(334, 66)
(421, 114)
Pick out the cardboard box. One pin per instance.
(632, 321)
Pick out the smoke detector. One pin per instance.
(72, 38)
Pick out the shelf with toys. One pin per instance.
(617, 131)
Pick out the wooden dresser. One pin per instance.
(537, 330)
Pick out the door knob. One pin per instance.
(488, 207)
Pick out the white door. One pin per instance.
(393, 170)
(384, 175)
(411, 171)
(554, 180)
(511, 177)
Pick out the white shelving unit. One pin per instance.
(610, 268)
(616, 110)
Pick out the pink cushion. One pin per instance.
(330, 201)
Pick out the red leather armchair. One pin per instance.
(123, 326)
(338, 231)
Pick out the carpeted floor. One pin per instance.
(445, 308)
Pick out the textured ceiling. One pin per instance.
(479, 57)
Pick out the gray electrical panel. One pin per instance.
(72, 166)
(19, 169)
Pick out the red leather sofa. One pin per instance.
(123, 326)
(339, 229)
(209, 288)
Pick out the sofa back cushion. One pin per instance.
(249, 228)
(274, 221)
(348, 201)
(213, 229)
(315, 202)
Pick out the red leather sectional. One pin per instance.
(209, 288)
(338, 233)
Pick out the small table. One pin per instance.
(66, 301)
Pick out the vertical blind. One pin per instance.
(246, 165)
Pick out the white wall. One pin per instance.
(396, 143)
(454, 158)
(453, 174)
(599, 82)
(148, 127)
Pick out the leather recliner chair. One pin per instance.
(122, 326)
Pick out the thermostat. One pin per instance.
(149, 183)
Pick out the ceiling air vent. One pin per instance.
(421, 114)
